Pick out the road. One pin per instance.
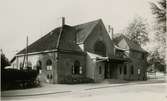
(126, 92)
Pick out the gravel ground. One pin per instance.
(151, 90)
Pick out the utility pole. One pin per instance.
(0, 62)
(27, 52)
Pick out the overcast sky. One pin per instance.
(36, 18)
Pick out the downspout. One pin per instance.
(56, 56)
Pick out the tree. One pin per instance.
(155, 60)
(159, 12)
(137, 31)
(4, 61)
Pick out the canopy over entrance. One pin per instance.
(99, 58)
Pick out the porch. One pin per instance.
(115, 68)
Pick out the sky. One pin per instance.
(35, 18)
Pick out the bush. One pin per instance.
(76, 79)
(16, 79)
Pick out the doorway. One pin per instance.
(107, 71)
(110, 70)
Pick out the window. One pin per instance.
(125, 70)
(119, 53)
(120, 69)
(48, 64)
(132, 70)
(100, 70)
(138, 71)
(77, 68)
(80, 70)
(49, 76)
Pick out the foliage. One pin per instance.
(137, 31)
(156, 61)
(155, 57)
(4, 61)
(76, 79)
(159, 12)
(16, 79)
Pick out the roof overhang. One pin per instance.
(122, 49)
(34, 53)
(97, 57)
(118, 59)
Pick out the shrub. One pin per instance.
(76, 79)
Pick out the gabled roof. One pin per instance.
(132, 45)
(84, 30)
(57, 37)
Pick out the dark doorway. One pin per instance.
(110, 70)
(106, 71)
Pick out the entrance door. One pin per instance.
(110, 70)
(107, 73)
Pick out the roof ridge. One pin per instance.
(88, 22)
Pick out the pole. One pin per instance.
(0, 58)
(27, 52)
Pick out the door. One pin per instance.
(107, 73)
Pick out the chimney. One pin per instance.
(111, 32)
(63, 21)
